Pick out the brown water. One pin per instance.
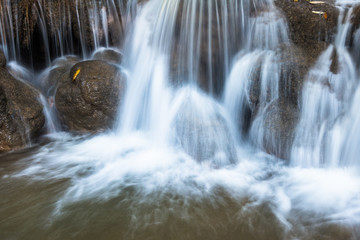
(35, 208)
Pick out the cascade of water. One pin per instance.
(326, 97)
(8, 35)
(52, 126)
(66, 27)
(253, 83)
(167, 47)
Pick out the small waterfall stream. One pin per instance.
(326, 98)
(194, 152)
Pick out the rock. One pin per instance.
(88, 96)
(307, 27)
(202, 131)
(295, 63)
(355, 19)
(108, 55)
(2, 59)
(66, 61)
(274, 127)
(50, 77)
(21, 113)
(311, 34)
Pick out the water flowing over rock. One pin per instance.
(21, 113)
(326, 97)
(180, 119)
(108, 55)
(37, 31)
(87, 97)
(49, 78)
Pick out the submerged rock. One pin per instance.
(88, 96)
(21, 113)
(203, 132)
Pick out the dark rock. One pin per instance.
(50, 78)
(2, 59)
(108, 55)
(21, 113)
(88, 96)
(295, 63)
(275, 126)
(311, 34)
(355, 19)
(307, 27)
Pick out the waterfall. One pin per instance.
(326, 97)
(208, 140)
(254, 81)
(71, 27)
(52, 126)
(166, 100)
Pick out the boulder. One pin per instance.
(21, 113)
(88, 96)
(108, 55)
(50, 77)
(202, 131)
(274, 126)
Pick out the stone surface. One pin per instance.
(48, 82)
(2, 59)
(21, 113)
(279, 119)
(108, 55)
(88, 96)
(310, 33)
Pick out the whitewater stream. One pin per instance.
(178, 163)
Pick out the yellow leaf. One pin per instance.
(76, 74)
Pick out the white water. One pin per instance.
(326, 98)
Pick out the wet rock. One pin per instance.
(108, 55)
(308, 23)
(50, 78)
(311, 33)
(87, 97)
(21, 114)
(274, 127)
(355, 19)
(2, 59)
(295, 63)
(203, 133)
(66, 61)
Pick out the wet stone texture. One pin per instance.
(21, 113)
(88, 96)
(312, 28)
(281, 118)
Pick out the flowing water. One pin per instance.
(183, 161)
